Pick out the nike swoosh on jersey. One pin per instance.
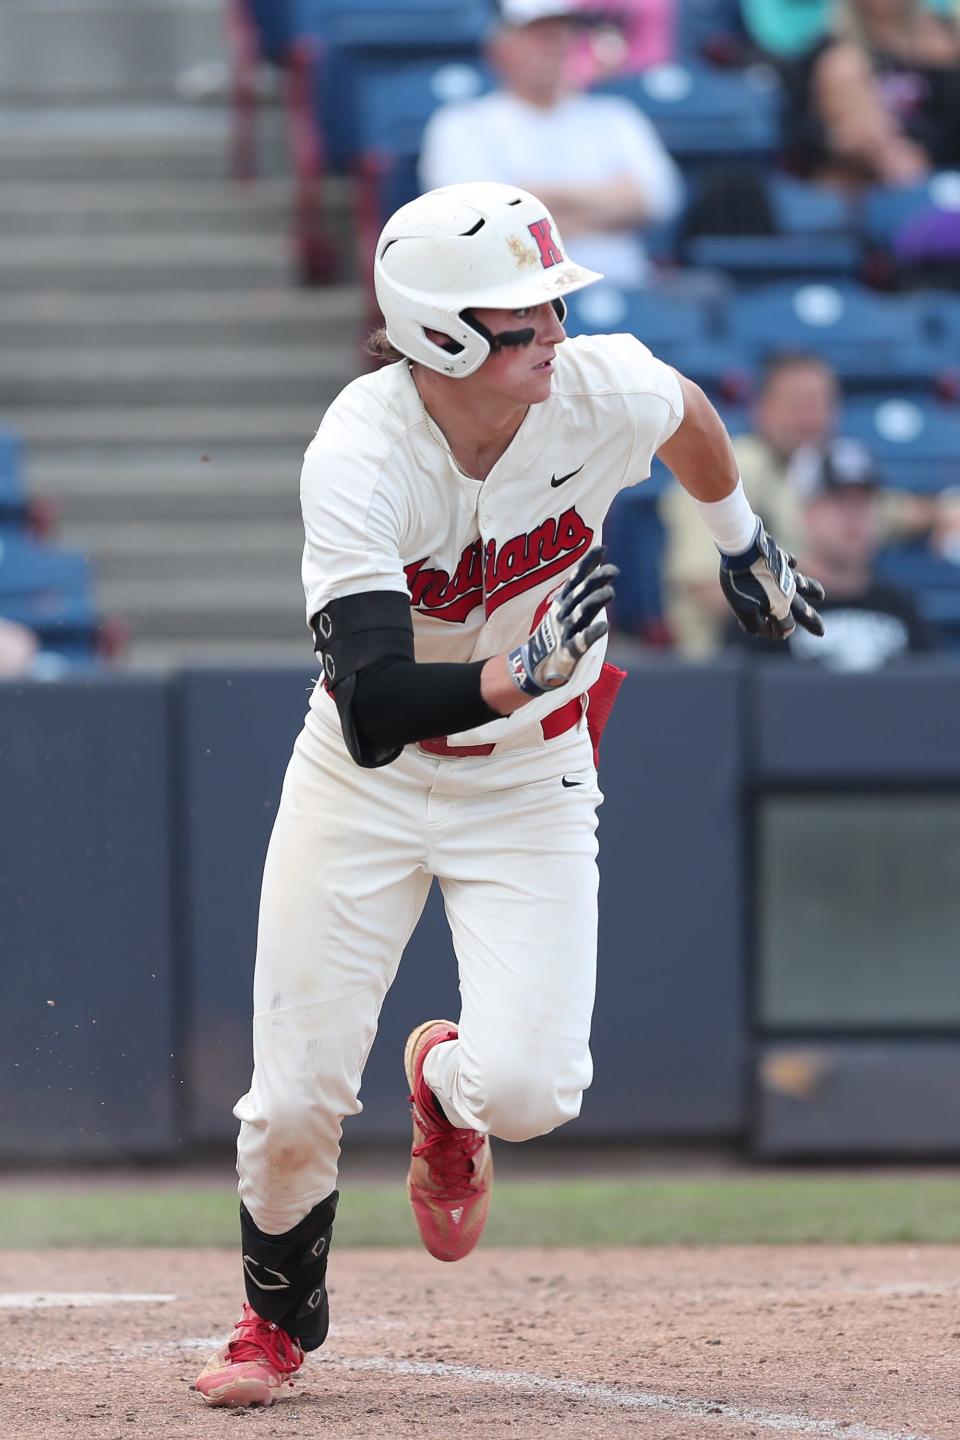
(569, 784)
(555, 481)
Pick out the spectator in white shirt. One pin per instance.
(595, 160)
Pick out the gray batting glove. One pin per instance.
(766, 592)
(569, 628)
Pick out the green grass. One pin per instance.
(725, 1210)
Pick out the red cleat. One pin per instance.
(252, 1366)
(451, 1170)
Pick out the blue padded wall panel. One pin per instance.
(89, 990)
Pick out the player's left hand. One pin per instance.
(766, 592)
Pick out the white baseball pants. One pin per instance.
(347, 874)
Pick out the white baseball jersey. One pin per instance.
(385, 507)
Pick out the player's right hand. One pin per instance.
(568, 629)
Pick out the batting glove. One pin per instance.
(766, 592)
(568, 629)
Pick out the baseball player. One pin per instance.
(453, 503)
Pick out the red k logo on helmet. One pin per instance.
(550, 252)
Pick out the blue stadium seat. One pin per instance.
(633, 534)
(915, 441)
(412, 25)
(278, 25)
(801, 207)
(886, 209)
(769, 257)
(30, 570)
(48, 590)
(700, 23)
(680, 329)
(871, 340)
(933, 582)
(706, 114)
(815, 236)
(377, 104)
(13, 500)
(658, 319)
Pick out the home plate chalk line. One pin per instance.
(60, 1299)
(595, 1394)
(514, 1380)
(626, 1399)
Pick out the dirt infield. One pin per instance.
(659, 1344)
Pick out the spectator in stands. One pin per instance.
(18, 650)
(867, 624)
(594, 160)
(796, 405)
(878, 102)
(629, 36)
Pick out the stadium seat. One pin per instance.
(912, 233)
(680, 329)
(390, 104)
(814, 236)
(887, 208)
(633, 534)
(657, 318)
(769, 257)
(13, 500)
(703, 25)
(48, 590)
(914, 440)
(871, 340)
(411, 25)
(706, 114)
(801, 207)
(934, 583)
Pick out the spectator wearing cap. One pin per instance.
(866, 623)
(595, 161)
(796, 405)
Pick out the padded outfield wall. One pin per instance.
(780, 912)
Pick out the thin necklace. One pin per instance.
(438, 439)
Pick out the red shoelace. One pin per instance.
(259, 1339)
(449, 1155)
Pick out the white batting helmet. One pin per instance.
(465, 246)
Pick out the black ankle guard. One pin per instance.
(285, 1275)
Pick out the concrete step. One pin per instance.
(204, 375)
(52, 48)
(164, 655)
(200, 606)
(145, 554)
(111, 206)
(193, 490)
(226, 261)
(116, 144)
(268, 315)
(162, 433)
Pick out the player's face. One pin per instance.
(522, 372)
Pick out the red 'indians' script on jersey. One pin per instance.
(491, 575)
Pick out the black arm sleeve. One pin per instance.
(385, 700)
(398, 701)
